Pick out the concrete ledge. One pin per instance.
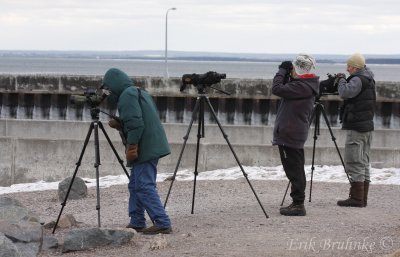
(158, 86)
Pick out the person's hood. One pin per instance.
(366, 72)
(116, 81)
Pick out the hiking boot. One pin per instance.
(356, 196)
(293, 210)
(153, 230)
(138, 229)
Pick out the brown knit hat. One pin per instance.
(356, 60)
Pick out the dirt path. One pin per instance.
(228, 221)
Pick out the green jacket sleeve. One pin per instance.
(131, 114)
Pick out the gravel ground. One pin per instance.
(228, 221)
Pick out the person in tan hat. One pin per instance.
(356, 116)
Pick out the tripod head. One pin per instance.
(92, 97)
(317, 101)
(94, 113)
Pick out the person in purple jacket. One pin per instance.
(298, 88)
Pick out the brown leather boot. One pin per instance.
(366, 188)
(356, 197)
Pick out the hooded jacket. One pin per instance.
(294, 112)
(141, 124)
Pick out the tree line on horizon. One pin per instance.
(186, 56)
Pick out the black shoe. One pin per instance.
(153, 230)
(293, 210)
(138, 229)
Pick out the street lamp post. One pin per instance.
(166, 75)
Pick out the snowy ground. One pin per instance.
(387, 176)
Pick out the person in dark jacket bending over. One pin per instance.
(358, 92)
(145, 142)
(298, 88)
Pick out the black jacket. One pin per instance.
(358, 111)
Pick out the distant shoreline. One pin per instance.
(188, 56)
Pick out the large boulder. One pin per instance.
(86, 238)
(12, 210)
(49, 242)
(7, 247)
(78, 189)
(20, 232)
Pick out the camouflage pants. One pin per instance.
(357, 154)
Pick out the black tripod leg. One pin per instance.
(316, 129)
(284, 196)
(317, 116)
(334, 141)
(96, 165)
(185, 138)
(78, 164)
(113, 148)
(234, 154)
(200, 134)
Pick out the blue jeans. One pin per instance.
(143, 196)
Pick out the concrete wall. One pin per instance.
(49, 150)
(157, 86)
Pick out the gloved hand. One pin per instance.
(341, 75)
(132, 152)
(115, 124)
(287, 65)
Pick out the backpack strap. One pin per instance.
(140, 96)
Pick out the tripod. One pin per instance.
(316, 115)
(96, 123)
(199, 109)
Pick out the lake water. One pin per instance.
(251, 70)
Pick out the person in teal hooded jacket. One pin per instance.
(145, 141)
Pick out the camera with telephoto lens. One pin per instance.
(206, 79)
(330, 85)
(91, 96)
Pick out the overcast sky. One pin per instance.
(238, 26)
